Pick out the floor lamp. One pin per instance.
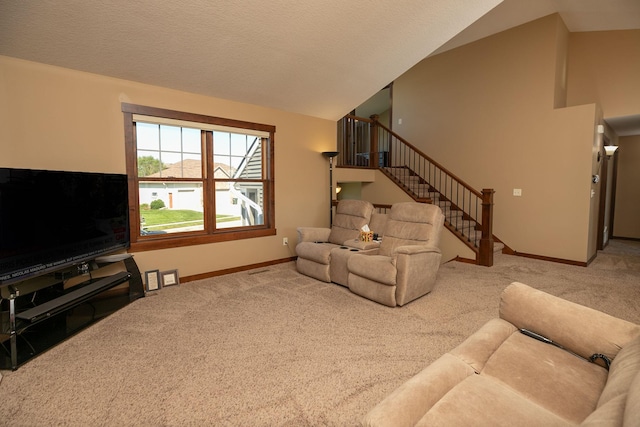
(330, 155)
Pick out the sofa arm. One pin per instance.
(313, 234)
(417, 267)
(577, 328)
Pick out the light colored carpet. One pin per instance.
(271, 347)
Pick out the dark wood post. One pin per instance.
(374, 156)
(485, 257)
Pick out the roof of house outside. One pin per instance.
(191, 168)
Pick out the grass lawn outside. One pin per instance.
(165, 219)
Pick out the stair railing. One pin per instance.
(468, 212)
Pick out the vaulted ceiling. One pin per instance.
(319, 58)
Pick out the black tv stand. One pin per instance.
(41, 312)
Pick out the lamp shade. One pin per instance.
(610, 149)
(330, 154)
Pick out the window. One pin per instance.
(197, 179)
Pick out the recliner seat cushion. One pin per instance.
(378, 268)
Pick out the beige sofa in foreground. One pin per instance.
(502, 377)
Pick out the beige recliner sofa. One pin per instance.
(323, 252)
(501, 377)
(406, 264)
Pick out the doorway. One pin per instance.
(607, 197)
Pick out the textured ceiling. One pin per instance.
(319, 58)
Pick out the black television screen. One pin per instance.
(53, 219)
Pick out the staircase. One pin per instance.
(366, 143)
(466, 228)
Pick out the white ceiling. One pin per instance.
(319, 58)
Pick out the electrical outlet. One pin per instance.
(517, 192)
(285, 241)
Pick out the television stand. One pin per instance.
(40, 312)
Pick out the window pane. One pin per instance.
(147, 136)
(238, 144)
(170, 138)
(221, 143)
(149, 163)
(170, 207)
(191, 140)
(251, 166)
(172, 164)
(239, 204)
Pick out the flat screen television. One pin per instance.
(55, 219)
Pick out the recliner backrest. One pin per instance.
(350, 217)
(411, 223)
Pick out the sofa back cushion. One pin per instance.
(411, 223)
(350, 217)
(578, 328)
(378, 223)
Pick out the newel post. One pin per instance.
(485, 257)
(374, 156)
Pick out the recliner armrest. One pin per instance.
(578, 328)
(313, 234)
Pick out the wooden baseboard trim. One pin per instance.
(632, 239)
(234, 270)
(551, 259)
(465, 260)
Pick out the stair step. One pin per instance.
(459, 223)
(421, 189)
(448, 213)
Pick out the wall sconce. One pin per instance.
(338, 189)
(330, 155)
(610, 149)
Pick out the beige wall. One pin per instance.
(486, 111)
(627, 206)
(55, 118)
(604, 67)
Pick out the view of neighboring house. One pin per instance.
(242, 200)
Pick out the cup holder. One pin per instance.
(353, 250)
